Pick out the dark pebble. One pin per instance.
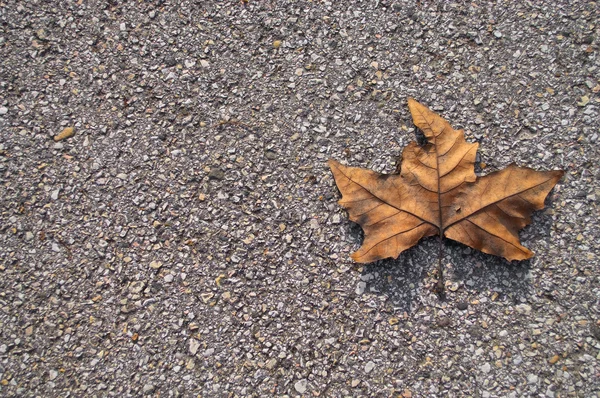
(170, 61)
(595, 331)
(587, 39)
(444, 321)
(463, 305)
(216, 174)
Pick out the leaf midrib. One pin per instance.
(440, 225)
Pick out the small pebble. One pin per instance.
(300, 386)
(66, 133)
(360, 288)
(532, 379)
(194, 345)
(216, 174)
(148, 388)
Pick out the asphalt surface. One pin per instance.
(186, 240)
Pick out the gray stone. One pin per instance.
(216, 174)
(148, 388)
(136, 287)
(517, 360)
(270, 364)
(194, 345)
(532, 379)
(301, 385)
(360, 287)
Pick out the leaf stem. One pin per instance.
(440, 287)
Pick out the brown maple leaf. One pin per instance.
(437, 192)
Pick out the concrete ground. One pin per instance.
(186, 241)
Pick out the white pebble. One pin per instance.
(360, 288)
(301, 385)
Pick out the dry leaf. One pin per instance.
(437, 192)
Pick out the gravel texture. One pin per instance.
(186, 240)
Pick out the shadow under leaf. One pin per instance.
(406, 281)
